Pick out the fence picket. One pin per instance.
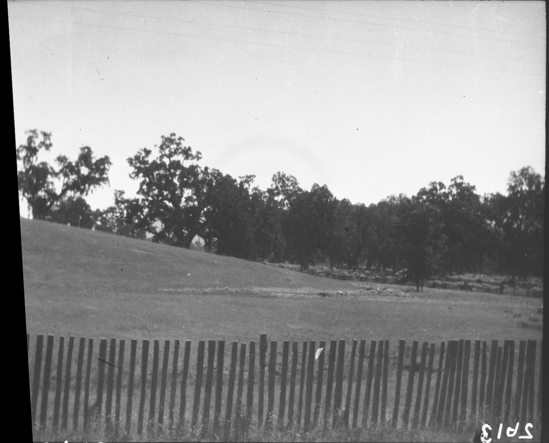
(154, 381)
(118, 401)
(428, 385)
(336, 420)
(377, 384)
(369, 377)
(143, 396)
(360, 365)
(198, 384)
(251, 368)
(230, 391)
(520, 379)
(474, 392)
(261, 399)
(491, 377)
(129, 403)
(87, 384)
(465, 382)
(452, 353)
(163, 381)
(183, 391)
(540, 390)
(208, 386)
(491, 398)
(173, 386)
(219, 386)
(283, 378)
(58, 383)
(457, 384)
(396, 404)
(36, 376)
(110, 386)
(293, 375)
(240, 387)
(417, 408)
(319, 377)
(410, 387)
(309, 386)
(271, 387)
(509, 384)
(66, 389)
(301, 384)
(78, 386)
(349, 385)
(483, 374)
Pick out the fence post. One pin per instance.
(444, 386)
(46, 382)
(452, 354)
(483, 374)
(377, 384)
(540, 390)
(531, 361)
(384, 385)
(491, 376)
(329, 382)
(433, 420)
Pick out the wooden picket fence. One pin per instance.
(453, 385)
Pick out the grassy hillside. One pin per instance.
(87, 283)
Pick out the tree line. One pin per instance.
(440, 230)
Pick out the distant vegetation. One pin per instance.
(441, 230)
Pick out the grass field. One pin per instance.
(88, 283)
(91, 284)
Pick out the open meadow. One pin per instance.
(92, 284)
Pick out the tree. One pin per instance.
(173, 191)
(74, 211)
(43, 186)
(125, 218)
(518, 219)
(421, 227)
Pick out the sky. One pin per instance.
(371, 99)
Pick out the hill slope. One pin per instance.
(65, 258)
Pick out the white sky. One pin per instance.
(369, 98)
